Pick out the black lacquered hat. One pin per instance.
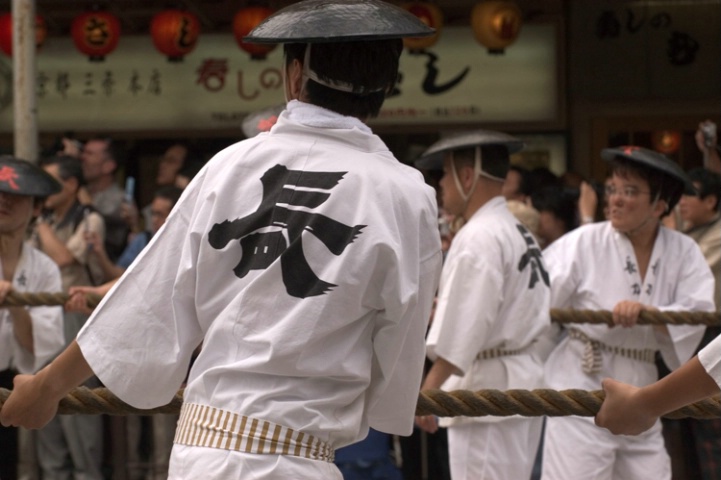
(432, 158)
(650, 159)
(21, 177)
(322, 21)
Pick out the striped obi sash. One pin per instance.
(203, 426)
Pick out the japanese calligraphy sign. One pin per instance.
(217, 85)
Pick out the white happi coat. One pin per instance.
(594, 268)
(325, 336)
(710, 358)
(35, 272)
(494, 294)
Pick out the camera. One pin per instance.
(708, 129)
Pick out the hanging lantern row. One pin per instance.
(6, 33)
(174, 32)
(429, 14)
(495, 24)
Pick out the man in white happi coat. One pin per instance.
(627, 264)
(305, 259)
(29, 336)
(493, 304)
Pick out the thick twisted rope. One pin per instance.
(37, 299)
(562, 316)
(528, 403)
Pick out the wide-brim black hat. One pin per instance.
(320, 21)
(21, 177)
(651, 159)
(432, 158)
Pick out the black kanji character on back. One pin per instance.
(274, 230)
(533, 258)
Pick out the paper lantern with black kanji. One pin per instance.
(246, 20)
(175, 33)
(6, 32)
(96, 34)
(429, 14)
(496, 24)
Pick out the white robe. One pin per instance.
(486, 302)
(710, 358)
(594, 267)
(344, 358)
(35, 272)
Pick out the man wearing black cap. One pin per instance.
(29, 337)
(492, 307)
(305, 259)
(627, 264)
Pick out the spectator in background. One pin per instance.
(701, 218)
(101, 157)
(707, 141)
(557, 213)
(163, 201)
(70, 446)
(517, 191)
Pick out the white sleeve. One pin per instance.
(399, 341)
(694, 292)
(466, 310)
(47, 323)
(140, 338)
(710, 358)
(561, 262)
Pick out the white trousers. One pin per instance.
(494, 451)
(576, 449)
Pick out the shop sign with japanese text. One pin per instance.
(217, 85)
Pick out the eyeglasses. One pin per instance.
(626, 192)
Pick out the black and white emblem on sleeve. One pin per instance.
(275, 229)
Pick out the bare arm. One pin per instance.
(52, 246)
(631, 410)
(437, 375)
(34, 399)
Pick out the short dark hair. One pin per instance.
(494, 159)
(369, 64)
(709, 183)
(664, 186)
(169, 192)
(524, 184)
(68, 167)
(115, 151)
(561, 202)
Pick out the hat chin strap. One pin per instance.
(477, 172)
(308, 73)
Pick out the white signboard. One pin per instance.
(217, 85)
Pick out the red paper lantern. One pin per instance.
(96, 34)
(6, 32)
(246, 20)
(666, 141)
(496, 24)
(429, 14)
(175, 33)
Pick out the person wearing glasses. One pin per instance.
(627, 264)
